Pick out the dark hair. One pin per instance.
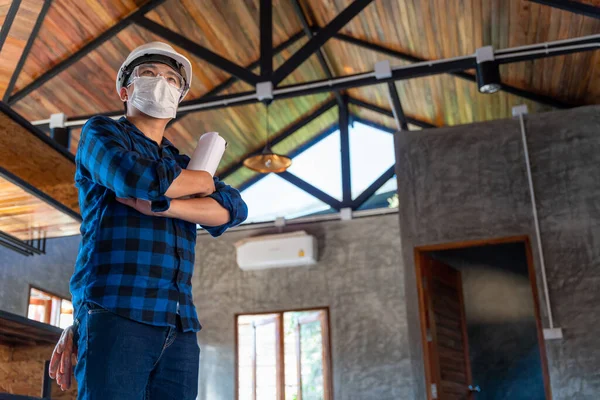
(125, 105)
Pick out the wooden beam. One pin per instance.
(85, 50)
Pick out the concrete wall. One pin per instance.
(359, 276)
(469, 183)
(501, 325)
(50, 272)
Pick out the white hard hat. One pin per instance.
(156, 52)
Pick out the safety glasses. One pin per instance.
(152, 70)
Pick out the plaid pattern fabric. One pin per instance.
(135, 265)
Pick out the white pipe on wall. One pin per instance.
(551, 333)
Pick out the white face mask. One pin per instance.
(155, 97)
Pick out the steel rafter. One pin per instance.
(8, 21)
(319, 40)
(321, 56)
(199, 51)
(79, 54)
(572, 6)
(266, 40)
(34, 33)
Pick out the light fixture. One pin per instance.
(488, 72)
(267, 161)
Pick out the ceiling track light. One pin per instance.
(488, 71)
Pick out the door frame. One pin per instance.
(420, 254)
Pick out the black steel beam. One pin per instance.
(297, 151)
(399, 116)
(305, 120)
(34, 32)
(340, 83)
(266, 39)
(79, 54)
(14, 248)
(548, 101)
(213, 92)
(320, 53)
(388, 113)
(319, 40)
(370, 191)
(344, 124)
(199, 51)
(310, 189)
(23, 245)
(372, 124)
(8, 21)
(572, 6)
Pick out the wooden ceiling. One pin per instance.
(428, 29)
(38, 197)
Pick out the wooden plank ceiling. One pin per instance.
(28, 160)
(429, 29)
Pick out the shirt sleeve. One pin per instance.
(230, 199)
(104, 153)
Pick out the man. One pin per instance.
(135, 324)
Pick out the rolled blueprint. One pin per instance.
(208, 153)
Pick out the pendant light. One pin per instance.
(267, 161)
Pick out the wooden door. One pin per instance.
(444, 332)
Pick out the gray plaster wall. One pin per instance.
(469, 183)
(50, 272)
(359, 277)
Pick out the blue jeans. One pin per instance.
(121, 359)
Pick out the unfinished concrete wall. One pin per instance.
(359, 276)
(50, 272)
(469, 183)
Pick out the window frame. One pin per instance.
(52, 294)
(326, 345)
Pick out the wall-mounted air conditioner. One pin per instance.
(275, 251)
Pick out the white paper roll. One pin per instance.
(208, 153)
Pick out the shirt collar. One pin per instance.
(132, 128)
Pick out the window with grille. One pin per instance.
(284, 356)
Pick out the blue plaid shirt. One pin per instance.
(135, 265)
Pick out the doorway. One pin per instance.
(480, 321)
